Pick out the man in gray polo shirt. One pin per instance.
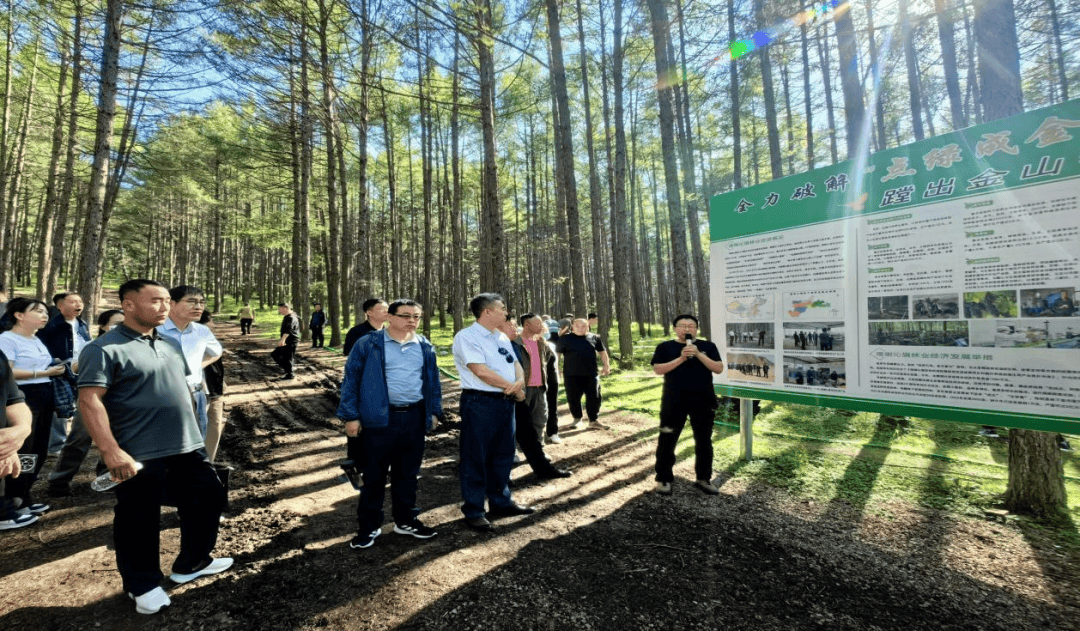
(134, 399)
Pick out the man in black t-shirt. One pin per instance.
(15, 427)
(580, 349)
(290, 337)
(687, 365)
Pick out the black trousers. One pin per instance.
(245, 325)
(531, 445)
(589, 385)
(397, 450)
(552, 395)
(191, 483)
(316, 336)
(41, 401)
(283, 356)
(673, 413)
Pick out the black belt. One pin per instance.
(485, 393)
(405, 408)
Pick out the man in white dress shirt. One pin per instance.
(200, 346)
(491, 382)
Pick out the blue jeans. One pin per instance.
(487, 452)
(399, 448)
(57, 434)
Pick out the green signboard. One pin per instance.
(936, 279)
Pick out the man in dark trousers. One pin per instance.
(376, 312)
(531, 413)
(391, 389)
(290, 337)
(318, 321)
(135, 401)
(580, 350)
(15, 427)
(491, 381)
(687, 365)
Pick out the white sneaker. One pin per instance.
(17, 520)
(214, 567)
(579, 423)
(554, 439)
(663, 488)
(152, 601)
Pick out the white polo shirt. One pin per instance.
(476, 345)
(197, 342)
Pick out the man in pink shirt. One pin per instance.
(531, 414)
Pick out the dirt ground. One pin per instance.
(601, 552)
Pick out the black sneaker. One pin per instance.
(365, 541)
(416, 529)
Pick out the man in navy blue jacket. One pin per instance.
(65, 335)
(391, 392)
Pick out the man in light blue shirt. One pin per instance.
(491, 382)
(391, 389)
(200, 346)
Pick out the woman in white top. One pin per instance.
(31, 366)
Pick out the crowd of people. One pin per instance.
(147, 391)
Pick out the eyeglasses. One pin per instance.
(505, 353)
(405, 316)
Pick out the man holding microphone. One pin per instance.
(687, 366)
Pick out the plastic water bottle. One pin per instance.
(104, 482)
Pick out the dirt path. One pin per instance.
(601, 553)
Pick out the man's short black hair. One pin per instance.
(593, 315)
(684, 316)
(62, 295)
(371, 302)
(178, 293)
(135, 285)
(525, 317)
(285, 304)
(402, 302)
(483, 301)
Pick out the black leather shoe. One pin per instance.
(480, 524)
(554, 473)
(511, 510)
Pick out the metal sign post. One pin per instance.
(746, 429)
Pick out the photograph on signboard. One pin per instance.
(814, 336)
(920, 333)
(887, 307)
(1049, 302)
(990, 304)
(825, 372)
(759, 307)
(1026, 333)
(750, 335)
(813, 305)
(945, 306)
(751, 367)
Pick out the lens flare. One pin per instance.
(768, 36)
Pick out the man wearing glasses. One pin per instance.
(200, 347)
(491, 382)
(687, 365)
(391, 388)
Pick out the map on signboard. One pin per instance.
(813, 305)
(751, 307)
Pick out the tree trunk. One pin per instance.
(665, 80)
(736, 130)
(565, 166)
(826, 82)
(601, 294)
(622, 254)
(333, 246)
(457, 285)
(948, 59)
(807, 100)
(854, 113)
(875, 73)
(1059, 51)
(493, 273)
(89, 284)
(776, 167)
(46, 222)
(63, 204)
(914, 91)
